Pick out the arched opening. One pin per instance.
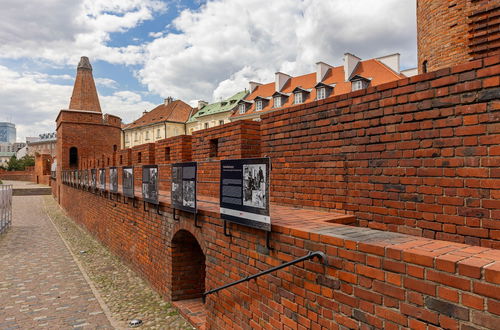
(188, 267)
(73, 157)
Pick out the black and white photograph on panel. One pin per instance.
(113, 180)
(102, 179)
(254, 185)
(128, 181)
(150, 183)
(93, 179)
(244, 192)
(183, 192)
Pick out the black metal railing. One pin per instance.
(310, 255)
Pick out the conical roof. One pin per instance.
(84, 95)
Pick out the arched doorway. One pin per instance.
(188, 267)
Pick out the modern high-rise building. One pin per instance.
(7, 132)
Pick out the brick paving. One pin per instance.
(124, 292)
(41, 286)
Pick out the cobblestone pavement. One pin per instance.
(41, 286)
(125, 294)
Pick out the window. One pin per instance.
(158, 133)
(424, 66)
(176, 131)
(135, 137)
(298, 98)
(73, 157)
(221, 122)
(321, 93)
(359, 84)
(139, 157)
(147, 135)
(206, 125)
(277, 102)
(258, 105)
(242, 108)
(121, 159)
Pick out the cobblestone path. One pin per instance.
(41, 285)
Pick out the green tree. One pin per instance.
(20, 164)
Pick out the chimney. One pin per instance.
(144, 112)
(391, 61)
(280, 80)
(202, 104)
(350, 63)
(168, 100)
(321, 70)
(253, 85)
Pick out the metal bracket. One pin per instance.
(158, 209)
(173, 215)
(133, 203)
(125, 200)
(196, 221)
(144, 205)
(225, 231)
(268, 241)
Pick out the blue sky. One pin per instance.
(145, 50)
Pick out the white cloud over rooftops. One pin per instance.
(207, 53)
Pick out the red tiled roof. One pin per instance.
(373, 69)
(176, 111)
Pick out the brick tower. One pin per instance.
(451, 32)
(83, 132)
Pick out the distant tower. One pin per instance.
(83, 132)
(7, 132)
(450, 32)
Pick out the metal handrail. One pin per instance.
(310, 255)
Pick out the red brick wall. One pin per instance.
(17, 175)
(418, 156)
(385, 280)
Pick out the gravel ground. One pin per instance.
(126, 295)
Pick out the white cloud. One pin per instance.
(228, 42)
(60, 31)
(32, 102)
(106, 82)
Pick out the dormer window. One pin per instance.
(298, 98)
(277, 102)
(359, 84)
(242, 108)
(321, 93)
(258, 105)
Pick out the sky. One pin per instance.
(143, 51)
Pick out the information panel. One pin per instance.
(102, 179)
(244, 192)
(128, 181)
(150, 183)
(93, 179)
(183, 192)
(113, 180)
(85, 179)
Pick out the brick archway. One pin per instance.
(188, 267)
